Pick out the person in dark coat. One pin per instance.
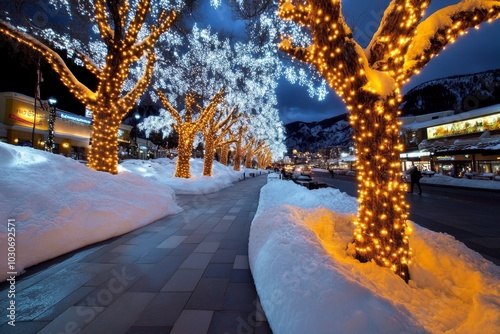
(415, 176)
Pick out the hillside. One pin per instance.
(460, 93)
(334, 131)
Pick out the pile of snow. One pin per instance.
(464, 182)
(60, 205)
(162, 171)
(438, 179)
(316, 286)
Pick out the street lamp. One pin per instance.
(52, 118)
(134, 145)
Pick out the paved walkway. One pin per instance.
(186, 273)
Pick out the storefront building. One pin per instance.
(453, 144)
(72, 132)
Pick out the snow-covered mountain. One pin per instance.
(461, 93)
(312, 136)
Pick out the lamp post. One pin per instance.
(136, 121)
(52, 118)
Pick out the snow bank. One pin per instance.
(163, 170)
(316, 286)
(60, 205)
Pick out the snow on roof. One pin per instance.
(453, 118)
(460, 145)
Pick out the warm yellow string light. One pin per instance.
(107, 103)
(370, 81)
(187, 128)
(214, 133)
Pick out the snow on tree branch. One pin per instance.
(81, 92)
(396, 29)
(443, 27)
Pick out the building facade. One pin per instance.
(26, 124)
(453, 144)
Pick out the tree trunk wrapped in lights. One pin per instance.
(251, 148)
(369, 81)
(224, 149)
(264, 157)
(238, 153)
(247, 148)
(188, 128)
(214, 134)
(110, 102)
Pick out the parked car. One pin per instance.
(303, 170)
(308, 182)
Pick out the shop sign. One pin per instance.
(473, 125)
(445, 157)
(75, 118)
(416, 154)
(24, 116)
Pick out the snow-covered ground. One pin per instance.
(58, 205)
(460, 182)
(316, 286)
(162, 171)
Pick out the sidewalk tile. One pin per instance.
(207, 247)
(241, 262)
(208, 295)
(120, 316)
(197, 261)
(224, 270)
(172, 241)
(164, 310)
(73, 320)
(193, 321)
(183, 280)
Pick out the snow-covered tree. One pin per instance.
(369, 81)
(110, 38)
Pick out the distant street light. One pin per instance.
(52, 118)
(136, 117)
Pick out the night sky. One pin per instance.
(477, 51)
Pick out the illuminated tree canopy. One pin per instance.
(369, 81)
(113, 38)
(200, 66)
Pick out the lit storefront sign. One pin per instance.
(474, 125)
(75, 118)
(22, 114)
(445, 158)
(416, 154)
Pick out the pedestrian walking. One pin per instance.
(415, 176)
(331, 172)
